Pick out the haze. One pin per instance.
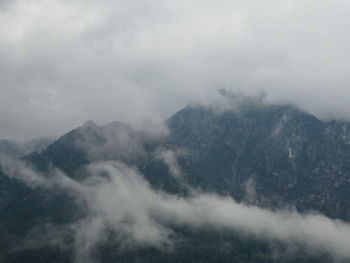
(65, 62)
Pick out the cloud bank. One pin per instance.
(119, 199)
(64, 62)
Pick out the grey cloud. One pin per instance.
(64, 62)
(170, 158)
(5, 4)
(115, 140)
(250, 192)
(119, 199)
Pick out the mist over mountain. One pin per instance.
(288, 155)
(17, 149)
(184, 131)
(265, 181)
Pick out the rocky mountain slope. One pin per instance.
(263, 155)
(270, 156)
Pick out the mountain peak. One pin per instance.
(89, 124)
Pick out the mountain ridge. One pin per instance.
(269, 156)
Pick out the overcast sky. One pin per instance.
(64, 62)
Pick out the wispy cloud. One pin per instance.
(119, 199)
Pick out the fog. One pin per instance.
(65, 62)
(119, 199)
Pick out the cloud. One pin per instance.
(65, 62)
(115, 140)
(120, 200)
(170, 158)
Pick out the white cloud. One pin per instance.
(119, 199)
(139, 61)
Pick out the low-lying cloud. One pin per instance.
(65, 62)
(121, 200)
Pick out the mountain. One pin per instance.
(271, 156)
(289, 156)
(10, 148)
(16, 149)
